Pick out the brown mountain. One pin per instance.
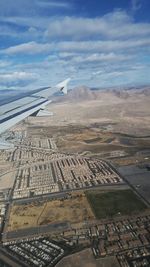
(84, 93)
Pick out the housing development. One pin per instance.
(49, 207)
(74, 133)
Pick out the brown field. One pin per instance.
(130, 115)
(75, 209)
(7, 180)
(129, 160)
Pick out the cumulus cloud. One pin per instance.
(117, 24)
(17, 79)
(83, 47)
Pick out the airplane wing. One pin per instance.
(16, 108)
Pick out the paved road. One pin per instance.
(34, 231)
(139, 179)
(64, 193)
(4, 256)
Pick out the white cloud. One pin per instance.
(5, 63)
(17, 79)
(113, 47)
(27, 21)
(99, 46)
(118, 24)
(54, 4)
(69, 48)
(98, 57)
(27, 48)
(114, 25)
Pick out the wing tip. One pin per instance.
(63, 85)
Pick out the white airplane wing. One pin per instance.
(16, 108)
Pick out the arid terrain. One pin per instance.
(119, 111)
(72, 177)
(75, 209)
(102, 123)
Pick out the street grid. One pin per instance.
(41, 170)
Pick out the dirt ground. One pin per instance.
(7, 180)
(130, 115)
(75, 209)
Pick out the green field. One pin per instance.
(109, 204)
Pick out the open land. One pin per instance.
(108, 126)
(75, 209)
(109, 204)
(7, 180)
(59, 177)
(138, 177)
(129, 114)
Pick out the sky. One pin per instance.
(97, 43)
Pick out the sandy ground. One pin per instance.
(74, 210)
(7, 180)
(130, 115)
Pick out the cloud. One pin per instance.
(6, 30)
(111, 47)
(54, 4)
(27, 48)
(17, 79)
(30, 8)
(96, 57)
(114, 25)
(136, 5)
(5, 63)
(69, 48)
(99, 46)
(117, 24)
(38, 22)
(17, 7)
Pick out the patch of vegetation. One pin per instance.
(109, 204)
(93, 140)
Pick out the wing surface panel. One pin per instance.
(16, 108)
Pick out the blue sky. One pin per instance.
(96, 43)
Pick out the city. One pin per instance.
(49, 210)
(75, 133)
